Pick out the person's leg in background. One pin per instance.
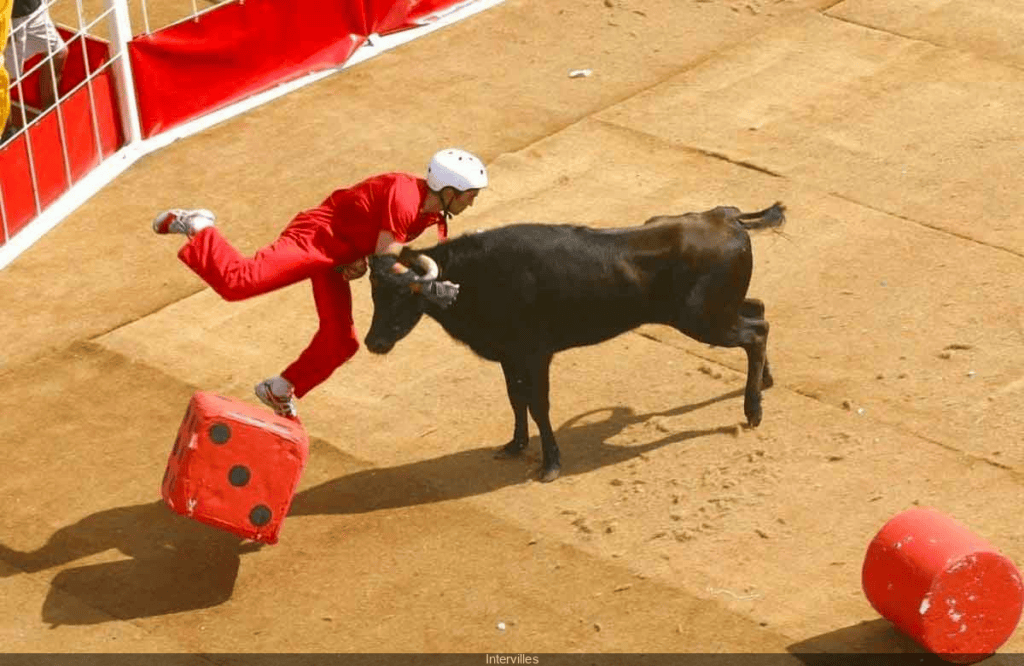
(31, 35)
(5, 80)
(44, 38)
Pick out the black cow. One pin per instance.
(528, 291)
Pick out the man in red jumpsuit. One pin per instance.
(328, 245)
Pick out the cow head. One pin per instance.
(396, 311)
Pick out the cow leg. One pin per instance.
(539, 370)
(517, 383)
(752, 308)
(527, 384)
(752, 335)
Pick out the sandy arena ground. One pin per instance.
(892, 131)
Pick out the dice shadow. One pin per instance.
(173, 565)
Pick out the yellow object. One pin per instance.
(5, 95)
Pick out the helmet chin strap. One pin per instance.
(445, 205)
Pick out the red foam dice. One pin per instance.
(235, 466)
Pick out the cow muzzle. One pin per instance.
(377, 345)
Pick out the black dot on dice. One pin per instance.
(220, 433)
(260, 515)
(239, 475)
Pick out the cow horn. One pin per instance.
(428, 266)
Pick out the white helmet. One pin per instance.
(456, 168)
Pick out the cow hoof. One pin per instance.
(754, 419)
(549, 474)
(510, 450)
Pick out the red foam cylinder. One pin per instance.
(942, 585)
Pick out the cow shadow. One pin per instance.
(173, 564)
(584, 444)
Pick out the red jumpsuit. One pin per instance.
(341, 230)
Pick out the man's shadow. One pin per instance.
(175, 564)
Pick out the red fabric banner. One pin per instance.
(386, 16)
(424, 7)
(244, 47)
(383, 16)
(241, 48)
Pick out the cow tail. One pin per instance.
(769, 218)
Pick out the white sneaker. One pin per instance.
(278, 394)
(181, 221)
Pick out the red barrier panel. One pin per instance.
(44, 138)
(241, 48)
(232, 52)
(391, 20)
(16, 185)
